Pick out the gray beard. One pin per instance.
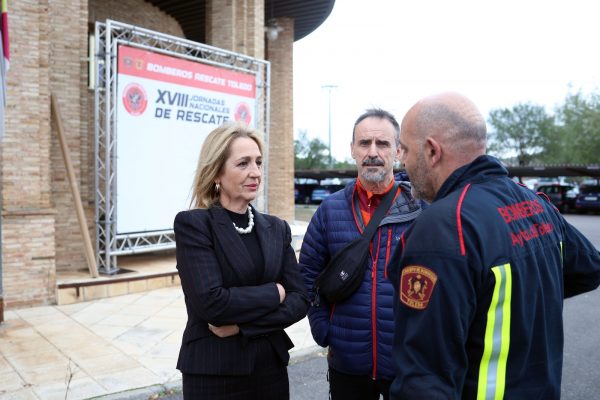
(374, 176)
(419, 195)
(414, 193)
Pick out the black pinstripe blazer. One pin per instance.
(221, 287)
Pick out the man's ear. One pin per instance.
(433, 151)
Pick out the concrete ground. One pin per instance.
(100, 347)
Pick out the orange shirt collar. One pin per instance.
(368, 201)
(364, 192)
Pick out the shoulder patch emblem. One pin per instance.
(416, 286)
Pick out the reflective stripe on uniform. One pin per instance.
(492, 370)
(561, 254)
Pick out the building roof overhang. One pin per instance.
(308, 15)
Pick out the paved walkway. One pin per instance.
(100, 347)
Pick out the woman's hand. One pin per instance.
(281, 293)
(225, 330)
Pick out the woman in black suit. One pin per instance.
(239, 275)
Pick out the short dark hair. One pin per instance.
(381, 114)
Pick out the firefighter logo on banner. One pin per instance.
(135, 99)
(243, 113)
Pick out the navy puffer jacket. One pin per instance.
(359, 331)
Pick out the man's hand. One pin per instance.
(225, 330)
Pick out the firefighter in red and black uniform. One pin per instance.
(482, 273)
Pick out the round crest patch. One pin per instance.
(135, 99)
(416, 286)
(243, 113)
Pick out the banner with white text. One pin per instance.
(166, 108)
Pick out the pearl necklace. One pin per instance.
(243, 231)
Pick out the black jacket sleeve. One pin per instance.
(202, 281)
(294, 307)
(581, 263)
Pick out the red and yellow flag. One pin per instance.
(4, 33)
(4, 30)
(4, 61)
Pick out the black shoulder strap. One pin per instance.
(382, 208)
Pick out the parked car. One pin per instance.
(535, 183)
(588, 198)
(302, 192)
(321, 192)
(562, 196)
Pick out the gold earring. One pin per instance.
(217, 187)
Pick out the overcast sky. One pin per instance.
(391, 53)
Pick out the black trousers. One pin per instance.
(272, 385)
(357, 387)
(269, 381)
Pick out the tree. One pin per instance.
(348, 163)
(310, 154)
(522, 132)
(577, 138)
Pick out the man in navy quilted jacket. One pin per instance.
(359, 331)
(483, 272)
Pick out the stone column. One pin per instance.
(236, 25)
(281, 133)
(68, 45)
(239, 26)
(28, 245)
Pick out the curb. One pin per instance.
(172, 387)
(307, 352)
(145, 393)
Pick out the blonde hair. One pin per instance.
(213, 154)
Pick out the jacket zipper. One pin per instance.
(387, 252)
(374, 302)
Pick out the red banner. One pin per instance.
(146, 64)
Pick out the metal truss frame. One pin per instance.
(108, 35)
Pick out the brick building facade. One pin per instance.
(49, 55)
